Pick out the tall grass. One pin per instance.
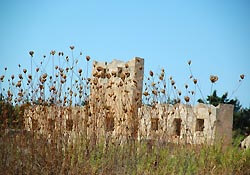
(26, 153)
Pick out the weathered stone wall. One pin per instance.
(178, 123)
(186, 124)
(115, 110)
(116, 90)
(48, 119)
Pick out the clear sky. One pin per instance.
(215, 35)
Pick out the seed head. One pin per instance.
(145, 93)
(172, 82)
(242, 76)
(108, 75)
(19, 84)
(213, 78)
(44, 76)
(2, 77)
(64, 76)
(20, 76)
(52, 52)
(186, 98)
(179, 93)
(195, 81)
(30, 77)
(87, 58)
(151, 73)
(52, 88)
(127, 74)
(72, 47)
(80, 71)
(99, 68)
(31, 53)
(161, 77)
(154, 92)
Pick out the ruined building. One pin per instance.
(115, 110)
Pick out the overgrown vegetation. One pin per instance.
(26, 152)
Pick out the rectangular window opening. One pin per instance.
(34, 124)
(51, 123)
(69, 124)
(110, 123)
(177, 126)
(154, 124)
(199, 125)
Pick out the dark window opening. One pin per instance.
(154, 124)
(177, 127)
(51, 124)
(110, 123)
(199, 125)
(34, 124)
(69, 124)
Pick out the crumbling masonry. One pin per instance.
(115, 110)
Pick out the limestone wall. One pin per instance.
(55, 119)
(115, 110)
(179, 123)
(116, 90)
(186, 124)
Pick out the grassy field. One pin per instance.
(23, 152)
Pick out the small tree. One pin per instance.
(10, 116)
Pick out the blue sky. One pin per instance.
(215, 35)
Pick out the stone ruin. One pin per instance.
(183, 123)
(115, 110)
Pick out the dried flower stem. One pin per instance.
(202, 96)
(234, 91)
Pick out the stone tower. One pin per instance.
(116, 95)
